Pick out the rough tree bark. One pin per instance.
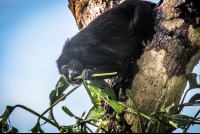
(160, 73)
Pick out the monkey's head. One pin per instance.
(70, 69)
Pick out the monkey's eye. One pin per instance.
(64, 68)
(73, 64)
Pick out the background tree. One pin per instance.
(160, 73)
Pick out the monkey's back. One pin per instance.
(113, 33)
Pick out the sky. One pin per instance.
(32, 34)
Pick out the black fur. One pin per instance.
(114, 35)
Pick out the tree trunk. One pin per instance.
(160, 73)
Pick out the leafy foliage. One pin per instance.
(100, 89)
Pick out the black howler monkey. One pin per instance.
(114, 35)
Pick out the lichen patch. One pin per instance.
(172, 24)
(194, 35)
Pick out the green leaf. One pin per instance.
(93, 95)
(173, 124)
(194, 101)
(6, 113)
(61, 86)
(83, 114)
(182, 123)
(95, 114)
(182, 120)
(37, 128)
(182, 117)
(104, 88)
(67, 111)
(192, 80)
(117, 106)
(56, 94)
(193, 84)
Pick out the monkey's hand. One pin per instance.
(87, 74)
